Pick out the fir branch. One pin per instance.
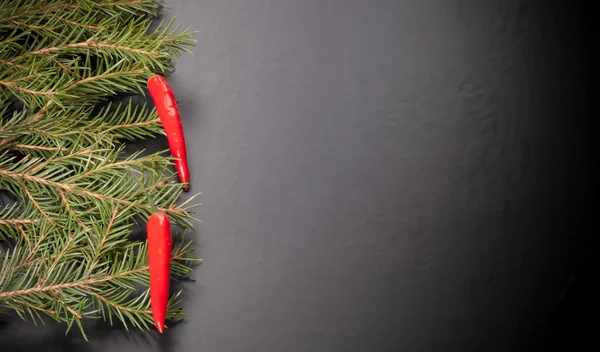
(4, 62)
(127, 121)
(95, 45)
(62, 157)
(12, 219)
(64, 282)
(14, 10)
(75, 190)
(78, 24)
(82, 283)
(18, 88)
(98, 250)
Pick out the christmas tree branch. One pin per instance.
(72, 189)
(71, 255)
(83, 283)
(14, 10)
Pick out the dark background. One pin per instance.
(378, 176)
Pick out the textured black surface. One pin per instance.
(376, 176)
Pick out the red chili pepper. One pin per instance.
(168, 112)
(159, 258)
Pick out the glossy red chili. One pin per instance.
(158, 231)
(168, 112)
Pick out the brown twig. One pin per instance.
(16, 222)
(71, 310)
(43, 132)
(92, 44)
(51, 29)
(13, 64)
(49, 312)
(138, 124)
(24, 234)
(36, 204)
(119, 3)
(35, 247)
(7, 40)
(63, 67)
(37, 147)
(42, 111)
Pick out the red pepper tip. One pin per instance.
(160, 327)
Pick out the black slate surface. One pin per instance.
(376, 176)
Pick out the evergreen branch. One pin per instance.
(127, 122)
(12, 64)
(125, 202)
(37, 205)
(114, 165)
(118, 306)
(85, 284)
(37, 261)
(98, 184)
(56, 261)
(95, 45)
(48, 8)
(44, 8)
(16, 87)
(106, 233)
(71, 211)
(116, 79)
(77, 24)
(62, 129)
(12, 219)
(61, 155)
(79, 191)
(104, 76)
(58, 157)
